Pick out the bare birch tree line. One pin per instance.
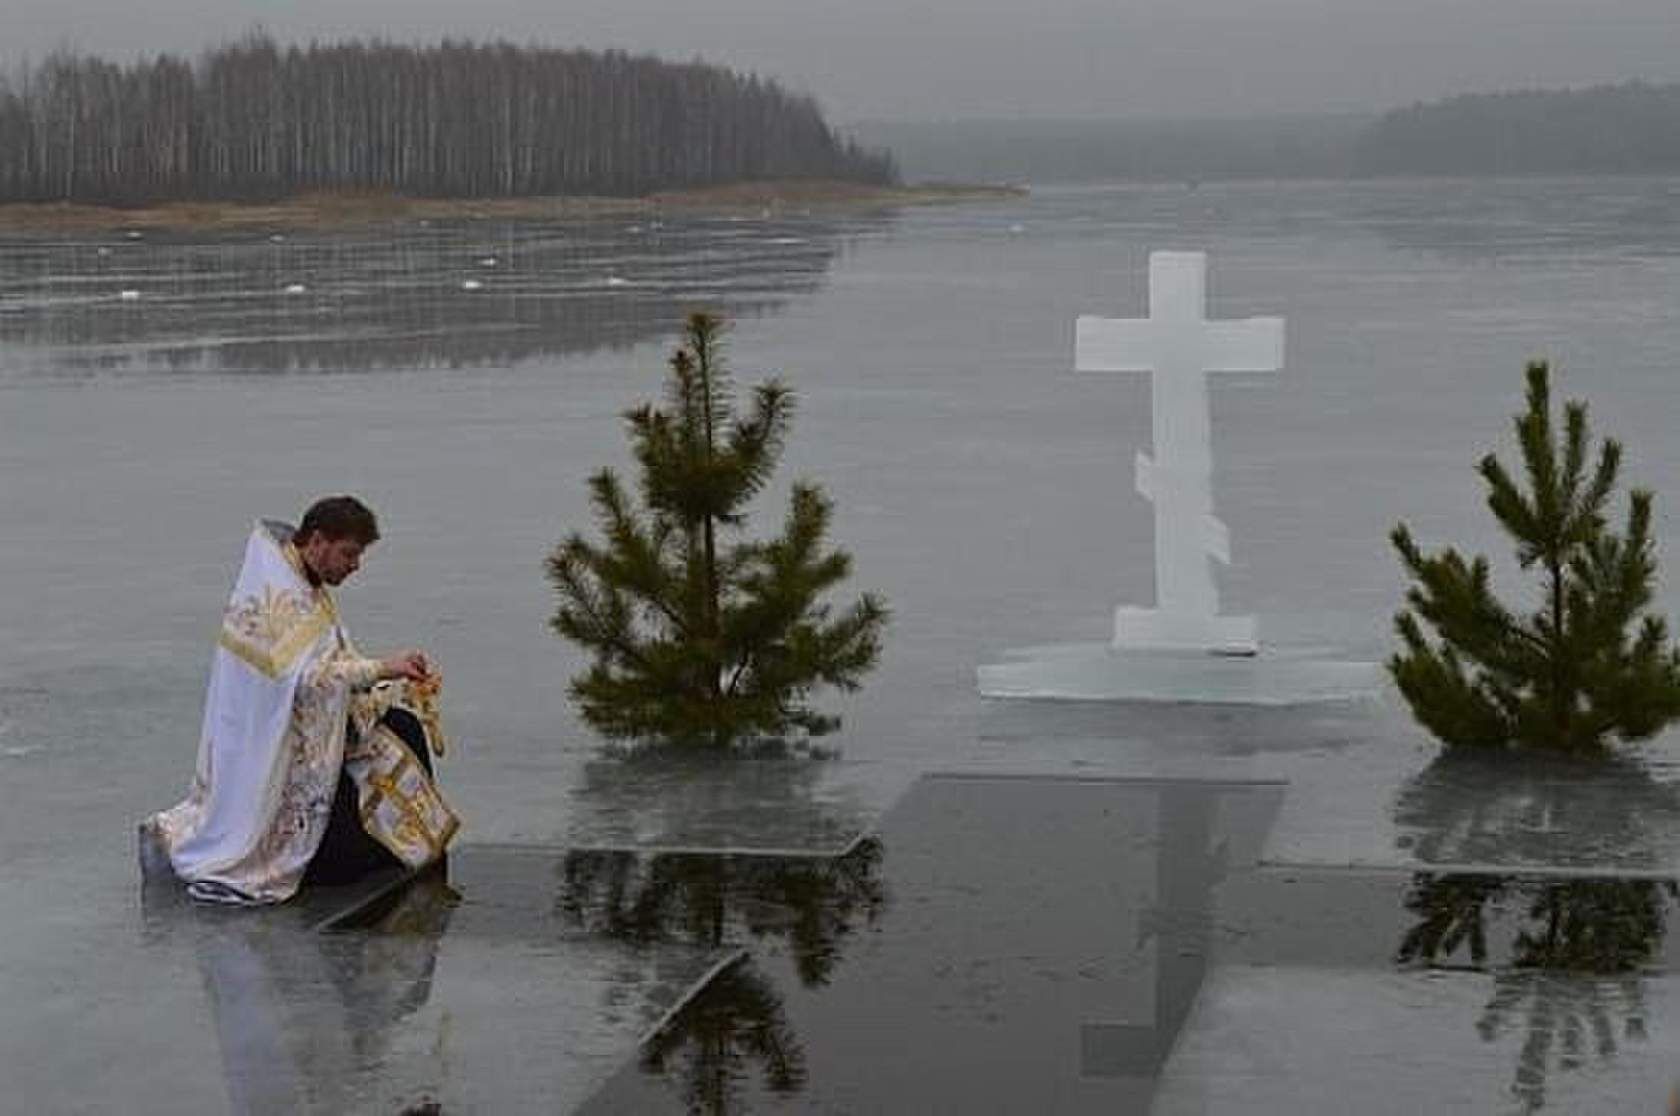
(255, 120)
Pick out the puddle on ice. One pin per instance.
(1048, 942)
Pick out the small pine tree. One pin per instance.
(700, 636)
(1590, 665)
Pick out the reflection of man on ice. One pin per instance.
(313, 761)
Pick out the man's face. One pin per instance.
(333, 560)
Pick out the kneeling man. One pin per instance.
(312, 759)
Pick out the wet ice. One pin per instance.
(924, 348)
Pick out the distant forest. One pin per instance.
(1630, 128)
(255, 120)
(1621, 129)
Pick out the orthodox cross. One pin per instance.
(1179, 347)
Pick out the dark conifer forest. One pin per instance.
(1632, 128)
(256, 120)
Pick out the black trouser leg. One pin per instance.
(347, 853)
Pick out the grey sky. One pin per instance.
(947, 58)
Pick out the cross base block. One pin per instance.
(1099, 672)
(1146, 628)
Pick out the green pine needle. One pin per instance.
(1588, 668)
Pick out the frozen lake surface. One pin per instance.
(983, 487)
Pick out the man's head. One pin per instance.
(332, 536)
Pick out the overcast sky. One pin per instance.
(962, 58)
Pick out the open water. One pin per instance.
(465, 378)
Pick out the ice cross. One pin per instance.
(1179, 346)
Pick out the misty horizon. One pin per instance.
(1066, 59)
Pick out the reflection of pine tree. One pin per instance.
(737, 1018)
(1565, 1019)
(595, 890)
(1593, 926)
(1576, 930)
(1450, 910)
(1473, 808)
(814, 903)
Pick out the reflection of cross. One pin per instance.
(1189, 864)
(1180, 346)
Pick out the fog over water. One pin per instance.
(963, 58)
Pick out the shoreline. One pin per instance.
(328, 211)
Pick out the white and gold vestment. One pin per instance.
(285, 686)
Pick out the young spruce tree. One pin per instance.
(1588, 666)
(700, 635)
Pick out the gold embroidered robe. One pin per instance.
(285, 683)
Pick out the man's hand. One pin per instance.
(411, 665)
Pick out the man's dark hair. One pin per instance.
(339, 517)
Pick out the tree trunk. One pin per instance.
(1561, 698)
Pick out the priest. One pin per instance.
(314, 762)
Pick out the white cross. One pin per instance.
(1179, 346)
